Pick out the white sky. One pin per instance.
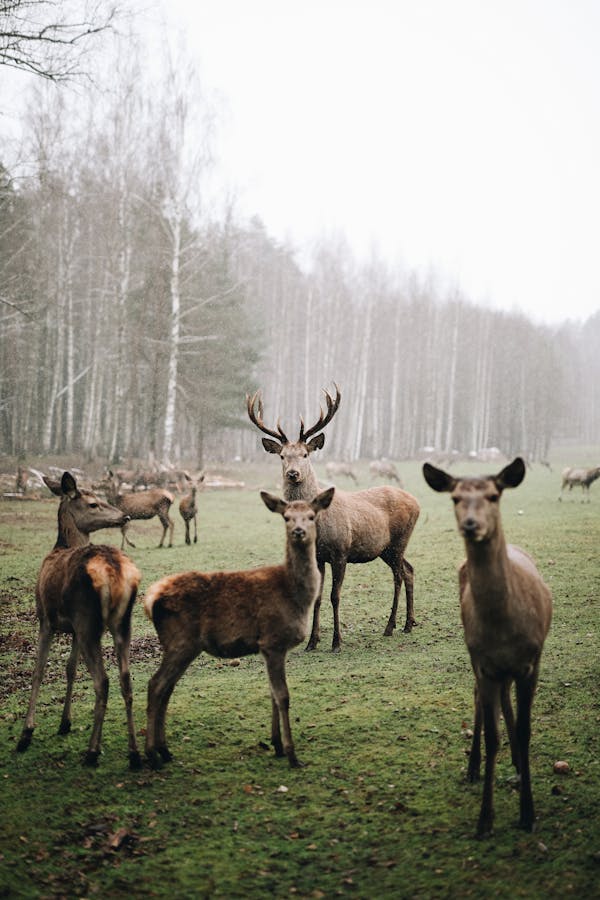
(462, 134)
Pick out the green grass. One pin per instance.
(382, 808)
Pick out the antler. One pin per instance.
(256, 417)
(322, 421)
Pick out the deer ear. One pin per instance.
(68, 485)
(437, 478)
(271, 446)
(275, 504)
(323, 500)
(53, 485)
(316, 443)
(511, 475)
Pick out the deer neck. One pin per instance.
(69, 535)
(489, 570)
(303, 572)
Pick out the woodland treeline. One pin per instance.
(137, 310)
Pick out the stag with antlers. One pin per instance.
(358, 527)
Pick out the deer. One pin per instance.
(229, 614)
(85, 589)
(335, 469)
(584, 477)
(141, 505)
(188, 508)
(506, 610)
(358, 527)
(381, 468)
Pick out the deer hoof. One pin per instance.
(389, 630)
(64, 727)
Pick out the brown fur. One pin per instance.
(506, 610)
(82, 590)
(358, 527)
(188, 506)
(142, 505)
(230, 614)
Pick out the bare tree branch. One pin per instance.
(48, 37)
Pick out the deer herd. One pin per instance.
(86, 589)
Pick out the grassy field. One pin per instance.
(382, 808)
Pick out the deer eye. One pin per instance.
(93, 506)
(455, 500)
(493, 498)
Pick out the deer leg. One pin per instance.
(165, 524)
(409, 581)
(121, 639)
(92, 653)
(473, 771)
(195, 529)
(509, 718)
(187, 532)
(525, 692)
(338, 570)
(44, 641)
(125, 539)
(65, 722)
(275, 728)
(160, 688)
(275, 663)
(315, 633)
(490, 705)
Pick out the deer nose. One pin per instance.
(293, 474)
(469, 526)
(298, 531)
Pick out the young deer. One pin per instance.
(84, 589)
(264, 610)
(141, 505)
(506, 610)
(188, 507)
(358, 527)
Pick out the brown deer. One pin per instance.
(84, 589)
(335, 469)
(381, 468)
(358, 527)
(141, 505)
(188, 507)
(584, 477)
(264, 610)
(506, 610)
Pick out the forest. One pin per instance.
(138, 309)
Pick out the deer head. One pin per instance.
(81, 512)
(294, 455)
(476, 500)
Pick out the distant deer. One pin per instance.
(141, 505)
(84, 589)
(335, 469)
(381, 468)
(584, 477)
(188, 507)
(358, 527)
(506, 610)
(264, 610)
